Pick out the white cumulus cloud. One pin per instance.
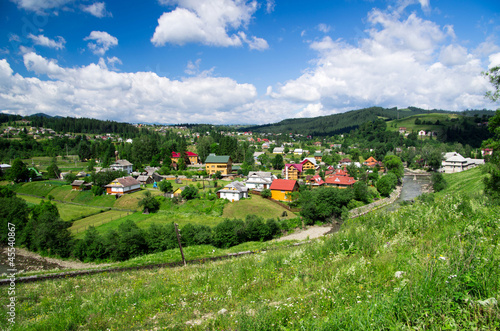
(44, 41)
(403, 61)
(40, 6)
(211, 22)
(97, 92)
(103, 41)
(97, 9)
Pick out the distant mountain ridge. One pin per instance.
(342, 123)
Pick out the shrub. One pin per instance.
(438, 182)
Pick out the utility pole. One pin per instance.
(179, 241)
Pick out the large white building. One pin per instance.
(122, 165)
(259, 180)
(454, 162)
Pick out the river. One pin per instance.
(413, 186)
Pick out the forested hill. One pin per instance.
(340, 123)
(75, 125)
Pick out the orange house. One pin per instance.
(371, 162)
(282, 188)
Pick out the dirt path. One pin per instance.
(29, 261)
(311, 232)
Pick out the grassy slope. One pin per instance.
(255, 205)
(409, 122)
(425, 266)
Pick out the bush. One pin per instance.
(438, 182)
(386, 184)
(190, 192)
(266, 193)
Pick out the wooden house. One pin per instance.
(282, 188)
(80, 185)
(123, 185)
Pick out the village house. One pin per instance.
(340, 181)
(123, 185)
(278, 150)
(122, 165)
(318, 156)
(292, 171)
(259, 180)
(281, 189)
(233, 192)
(371, 162)
(191, 158)
(222, 163)
(80, 185)
(454, 162)
(298, 151)
(314, 181)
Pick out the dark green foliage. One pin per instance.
(100, 179)
(277, 163)
(190, 192)
(322, 204)
(13, 210)
(387, 183)
(18, 172)
(195, 234)
(149, 203)
(361, 192)
(393, 164)
(52, 171)
(266, 193)
(91, 247)
(225, 234)
(47, 232)
(130, 241)
(165, 186)
(161, 237)
(438, 182)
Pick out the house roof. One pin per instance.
(340, 180)
(238, 186)
(317, 180)
(310, 159)
(283, 184)
(122, 163)
(188, 154)
(296, 166)
(212, 158)
(77, 182)
(125, 182)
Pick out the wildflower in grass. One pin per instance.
(442, 258)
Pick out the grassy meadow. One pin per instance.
(431, 265)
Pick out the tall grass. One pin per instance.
(430, 265)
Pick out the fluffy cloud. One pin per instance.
(402, 62)
(103, 41)
(40, 6)
(97, 9)
(208, 23)
(44, 41)
(94, 91)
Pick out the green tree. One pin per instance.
(278, 162)
(266, 193)
(149, 203)
(387, 183)
(18, 171)
(438, 182)
(190, 192)
(394, 164)
(493, 76)
(14, 210)
(165, 186)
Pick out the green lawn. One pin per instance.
(39, 188)
(98, 221)
(255, 205)
(468, 181)
(67, 211)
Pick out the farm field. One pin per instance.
(255, 205)
(409, 122)
(68, 212)
(98, 220)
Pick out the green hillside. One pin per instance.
(430, 265)
(336, 123)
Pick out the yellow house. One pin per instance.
(222, 163)
(192, 157)
(292, 171)
(307, 164)
(282, 188)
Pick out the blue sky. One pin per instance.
(243, 62)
